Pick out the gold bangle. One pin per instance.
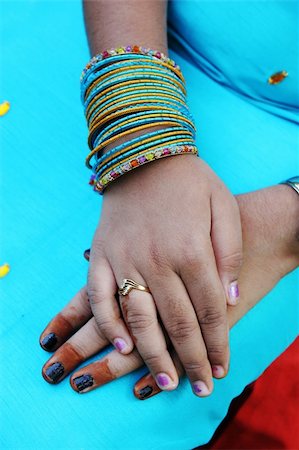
(90, 155)
(130, 97)
(130, 131)
(123, 69)
(141, 142)
(149, 84)
(125, 77)
(148, 116)
(121, 113)
(166, 144)
(116, 105)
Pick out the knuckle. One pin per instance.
(217, 351)
(181, 330)
(80, 349)
(139, 322)
(201, 366)
(232, 262)
(153, 361)
(212, 317)
(158, 261)
(193, 256)
(105, 326)
(95, 294)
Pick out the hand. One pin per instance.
(271, 250)
(182, 239)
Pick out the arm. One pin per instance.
(112, 23)
(171, 225)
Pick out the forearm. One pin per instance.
(113, 23)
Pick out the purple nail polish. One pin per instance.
(120, 344)
(200, 389)
(164, 381)
(234, 291)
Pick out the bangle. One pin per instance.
(125, 90)
(128, 49)
(143, 158)
(113, 157)
(292, 182)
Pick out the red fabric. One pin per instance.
(267, 413)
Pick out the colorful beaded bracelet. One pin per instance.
(121, 96)
(127, 149)
(127, 49)
(100, 185)
(119, 64)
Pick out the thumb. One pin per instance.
(226, 236)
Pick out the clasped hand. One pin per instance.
(181, 238)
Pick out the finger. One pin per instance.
(226, 236)
(147, 387)
(82, 345)
(75, 314)
(101, 288)
(200, 276)
(179, 318)
(86, 254)
(113, 365)
(140, 313)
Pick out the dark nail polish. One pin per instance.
(83, 382)
(87, 254)
(55, 371)
(49, 341)
(145, 392)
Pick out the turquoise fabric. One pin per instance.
(246, 131)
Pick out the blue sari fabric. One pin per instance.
(247, 130)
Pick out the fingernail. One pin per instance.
(233, 292)
(146, 387)
(218, 371)
(164, 381)
(200, 389)
(145, 392)
(87, 254)
(120, 344)
(83, 381)
(49, 341)
(55, 371)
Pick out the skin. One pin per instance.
(270, 225)
(189, 257)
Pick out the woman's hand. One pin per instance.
(271, 250)
(172, 226)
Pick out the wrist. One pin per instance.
(288, 198)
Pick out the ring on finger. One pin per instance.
(128, 284)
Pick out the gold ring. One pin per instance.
(127, 285)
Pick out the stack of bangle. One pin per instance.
(125, 90)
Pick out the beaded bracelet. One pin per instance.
(129, 89)
(100, 185)
(126, 50)
(120, 153)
